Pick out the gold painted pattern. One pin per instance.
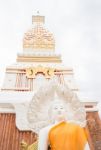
(32, 72)
(38, 19)
(38, 37)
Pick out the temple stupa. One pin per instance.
(36, 65)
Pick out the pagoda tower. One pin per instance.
(38, 61)
(36, 65)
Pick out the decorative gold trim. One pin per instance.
(38, 37)
(38, 19)
(32, 72)
(39, 59)
(23, 71)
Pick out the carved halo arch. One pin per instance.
(38, 116)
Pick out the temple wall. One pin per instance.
(18, 81)
(9, 81)
(10, 136)
(94, 127)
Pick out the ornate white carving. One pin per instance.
(38, 116)
(32, 110)
(21, 113)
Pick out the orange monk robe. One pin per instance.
(67, 136)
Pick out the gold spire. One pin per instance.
(38, 37)
(38, 19)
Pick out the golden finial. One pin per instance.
(38, 19)
(38, 37)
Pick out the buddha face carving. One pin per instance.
(58, 111)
